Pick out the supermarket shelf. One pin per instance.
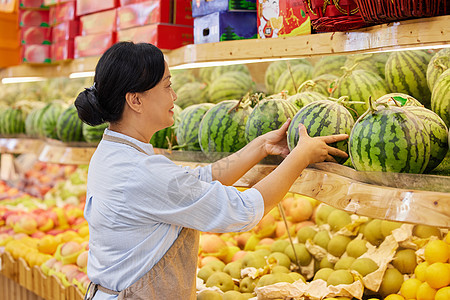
(426, 32)
(19, 146)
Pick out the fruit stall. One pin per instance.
(374, 226)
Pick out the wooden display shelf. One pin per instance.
(18, 281)
(426, 32)
(20, 145)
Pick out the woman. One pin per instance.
(145, 212)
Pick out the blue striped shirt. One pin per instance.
(137, 204)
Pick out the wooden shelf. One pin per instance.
(19, 146)
(426, 32)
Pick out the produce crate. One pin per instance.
(384, 11)
(18, 281)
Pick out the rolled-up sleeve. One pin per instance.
(166, 193)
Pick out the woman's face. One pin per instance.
(158, 103)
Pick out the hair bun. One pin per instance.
(88, 107)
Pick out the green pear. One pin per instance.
(322, 238)
(356, 248)
(338, 244)
(279, 269)
(209, 295)
(222, 280)
(216, 265)
(372, 232)
(340, 277)
(248, 295)
(322, 213)
(305, 233)
(323, 274)
(344, 263)
(325, 263)
(253, 259)
(364, 266)
(269, 279)
(205, 272)
(279, 245)
(391, 283)
(425, 231)
(233, 295)
(405, 261)
(388, 226)
(263, 252)
(247, 284)
(297, 276)
(233, 269)
(280, 259)
(303, 256)
(338, 219)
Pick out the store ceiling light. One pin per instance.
(8, 80)
(225, 63)
(82, 74)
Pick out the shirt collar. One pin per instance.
(147, 147)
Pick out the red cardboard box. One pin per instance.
(34, 18)
(62, 50)
(36, 35)
(85, 7)
(143, 13)
(182, 12)
(63, 12)
(101, 22)
(286, 18)
(164, 36)
(32, 4)
(50, 2)
(36, 53)
(127, 2)
(65, 31)
(94, 44)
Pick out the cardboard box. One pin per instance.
(94, 44)
(128, 2)
(63, 12)
(65, 31)
(225, 26)
(143, 13)
(32, 4)
(36, 53)
(206, 7)
(33, 18)
(182, 12)
(63, 50)
(50, 2)
(36, 35)
(10, 54)
(283, 18)
(102, 22)
(163, 36)
(85, 7)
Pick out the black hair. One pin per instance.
(124, 68)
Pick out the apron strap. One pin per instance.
(115, 139)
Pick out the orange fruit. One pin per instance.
(409, 288)
(425, 292)
(437, 251)
(438, 275)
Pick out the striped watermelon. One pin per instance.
(389, 139)
(30, 127)
(222, 128)
(220, 70)
(329, 65)
(406, 73)
(298, 73)
(437, 131)
(191, 93)
(437, 65)
(93, 134)
(324, 83)
(69, 127)
(359, 85)
(205, 74)
(13, 121)
(230, 86)
(373, 62)
(37, 121)
(166, 137)
(440, 98)
(321, 118)
(187, 126)
(304, 98)
(50, 119)
(398, 99)
(180, 79)
(275, 69)
(269, 114)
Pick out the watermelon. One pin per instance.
(187, 126)
(322, 118)
(269, 114)
(275, 69)
(359, 85)
(220, 70)
(30, 127)
(191, 93)
(437, 131)
(373, 62)
(205, 74)
(69, 128)
(324, 84)
(398, 99)
(93, 134)
(180, 79)
(329, 65)
(304, 98)
(440, 98)
(222, 128)
(165, 138)
(50, 119)
(230, 86)
(439, 63)
(13, 121)
(406, 73)
(298, 73)
(37, 121)
(389, 139)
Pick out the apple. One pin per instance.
(222, 280)
(242, 239)
(212, 244)
(340, 277)
(300, 209)
(266, 227)
(281, 232)
(364, 266)
(338, 244)
(203, 261)
(70, 248)
(239, 255)
(82, 259)
(26, 224)
(300, 225)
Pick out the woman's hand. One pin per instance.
(275, 142)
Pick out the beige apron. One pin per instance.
(173, 277)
